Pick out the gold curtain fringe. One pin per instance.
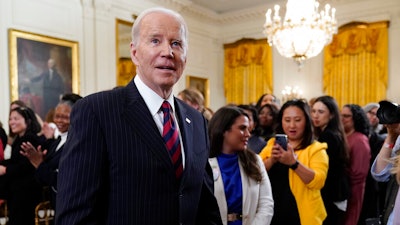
(355, 68)
(247, 70)
(355, 41)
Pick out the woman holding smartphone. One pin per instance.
(241, 183)
(297, 173)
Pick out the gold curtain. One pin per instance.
(356, 63)
(247, 70)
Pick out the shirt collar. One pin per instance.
(64, 135)
(151, 98)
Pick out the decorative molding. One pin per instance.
(87, 3)
(104, 5)
(87, 8)
(253, 13)
(369, 13)
(185, 6)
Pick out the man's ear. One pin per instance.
(133, 54)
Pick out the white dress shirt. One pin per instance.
(154, 102)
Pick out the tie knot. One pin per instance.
(165, 107)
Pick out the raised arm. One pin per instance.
(382, 159)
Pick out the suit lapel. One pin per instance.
(52, 149)
(138, 116)
(186, 128)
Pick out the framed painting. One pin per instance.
(126, 70)
(200, 84)
(42, 69)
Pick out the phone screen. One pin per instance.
(281, 139)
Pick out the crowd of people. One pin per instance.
(31, 170)
(346, 157)
(139, 155)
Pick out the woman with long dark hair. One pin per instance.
(267, 98)
(17, 180)
(268, 120)
(328, 128)
(356, 126)
(241, 183)
(256, 143)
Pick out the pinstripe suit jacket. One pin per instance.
(115, 168)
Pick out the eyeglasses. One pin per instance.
(346, 115)
(372, 113)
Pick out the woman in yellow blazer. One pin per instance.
(241, 183)
(297, 171)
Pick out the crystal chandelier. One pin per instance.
(290, 93)
(304, 32)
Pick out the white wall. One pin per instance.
(92, 24)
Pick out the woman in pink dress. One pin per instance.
(356, 127)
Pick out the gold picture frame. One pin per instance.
(29, 57)
(126, 70)
(201, 84)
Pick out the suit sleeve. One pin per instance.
(45, 173)
(82, 178)
(208, 207)
(208, 211)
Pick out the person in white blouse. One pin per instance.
(241, 184)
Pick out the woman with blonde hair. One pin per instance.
(195, 98)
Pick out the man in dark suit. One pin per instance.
(53, 87)
(115, 167)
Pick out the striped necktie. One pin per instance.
(171, 139)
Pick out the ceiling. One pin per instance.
(230, 11)
(233, 6)
(224, 6)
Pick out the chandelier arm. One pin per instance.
(304, 31)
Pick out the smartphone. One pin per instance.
(281, 139)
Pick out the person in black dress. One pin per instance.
(17, 181)
(329, 129)
(46, 161)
